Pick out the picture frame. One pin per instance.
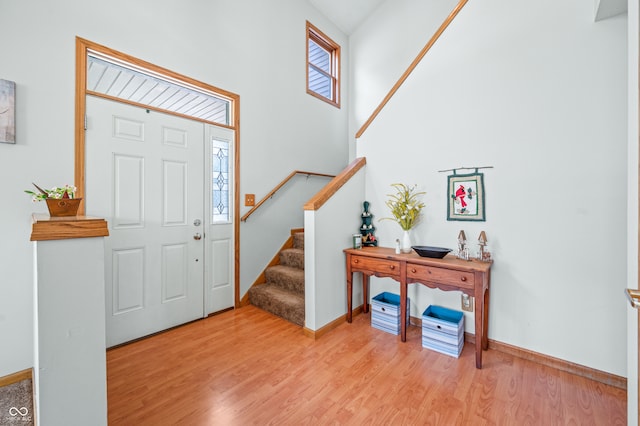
(465, 194)
(7, 111)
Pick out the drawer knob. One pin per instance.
(413, 271)
(463, 279)
(392, 267)
(355, 261)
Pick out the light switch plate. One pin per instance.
(466, 302)
(249, 200)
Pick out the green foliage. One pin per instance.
(405, 206)
(55, 192)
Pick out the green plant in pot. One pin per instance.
(406, 207)
(61, 201)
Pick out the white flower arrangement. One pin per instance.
(405, 206)
(67, 191)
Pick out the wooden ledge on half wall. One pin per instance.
(47, 228)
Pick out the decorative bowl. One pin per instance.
(428, 251)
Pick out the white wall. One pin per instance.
(71, 366)
(632, 209)
(267, 229)
(328, 231)
(223, 43)
(538, 91)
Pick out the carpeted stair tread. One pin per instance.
(279, 301)
(293, 257)
(287, 277)
(283, 292)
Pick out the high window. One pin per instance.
(323, 66)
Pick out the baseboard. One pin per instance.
(316, 334)
(546, 360)
(559, 364)
(539, 358)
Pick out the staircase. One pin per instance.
(283, 292)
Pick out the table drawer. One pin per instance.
(372, 265)
(440, 275)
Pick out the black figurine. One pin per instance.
(367, 230)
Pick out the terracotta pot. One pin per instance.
(63, 206)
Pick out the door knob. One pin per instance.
(197, 237)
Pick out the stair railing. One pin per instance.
(413, 65)
(325, 193)
(278, 186)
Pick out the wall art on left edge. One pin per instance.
(7, 111)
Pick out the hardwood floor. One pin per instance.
(249, 367)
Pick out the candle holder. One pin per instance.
(463, 252)
(484, 254)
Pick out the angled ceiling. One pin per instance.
(349, 14)
(346, 14)
(608, 8)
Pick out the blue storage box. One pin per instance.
(385, 312)
(443, 330)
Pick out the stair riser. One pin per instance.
(293, 258)
(292, 280)
(271, 300)
(283, 292)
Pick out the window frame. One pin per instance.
(322, 40)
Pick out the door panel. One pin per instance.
(128, 277)
(174, 193)
(128, 192)
(145, 175)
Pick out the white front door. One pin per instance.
(220, 236)
(145, 175)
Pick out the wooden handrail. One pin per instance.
(413, 65)
(280, 185)
(336, 183)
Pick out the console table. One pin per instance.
(470, 277)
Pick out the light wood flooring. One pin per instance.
(248, 367)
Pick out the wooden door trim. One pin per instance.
(82, 48)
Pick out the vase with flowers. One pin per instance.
(405, 206)
(61, 201)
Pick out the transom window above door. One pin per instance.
(122, 81)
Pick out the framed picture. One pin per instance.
(466, 197)
(7, 111)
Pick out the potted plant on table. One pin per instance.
(405, 208)
(61, 201)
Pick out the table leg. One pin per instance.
(403, 311)
(479, 323)
(349, 296)
(485, 328)
(365, 293)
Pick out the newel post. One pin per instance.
(70, 353)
